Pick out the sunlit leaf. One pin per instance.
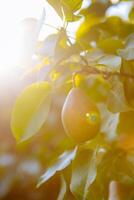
(54, 75)
(57, 6)
(97, 88)
(57, 165)
(116, 101)
(94, 55)
(30, 110)
(83, 173)
(129, 42)
(66, 8)
(86, 26)
(111, 61)
(127, 54)
(109, 122)
(131, 15)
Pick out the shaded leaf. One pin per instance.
(128, 83)
(57, 165)
(84, 30)
(63, 189)
(110, 45)
(30, 110)
(83, 173)
(126, 123)
(116, 165)
(122, 30)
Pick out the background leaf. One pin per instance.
(116, 101)
(109, 122)
(57, 165)
(111, 61)
(63, 189)
(83, 173)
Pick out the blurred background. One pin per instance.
(22, 164)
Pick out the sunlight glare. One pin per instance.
(11, 14)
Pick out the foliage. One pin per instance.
(99, 60)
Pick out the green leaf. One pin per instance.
(83, 32)
(67, 8)
(63, 189)
(96, 8)
(57, 6)
(30, 110)
(110, 45)
(131, 15)
(57, 165)
(74, 5)
(83, 173)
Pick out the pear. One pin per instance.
(80, 116)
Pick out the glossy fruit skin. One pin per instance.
(80, 116)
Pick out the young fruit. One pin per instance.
(80, 116)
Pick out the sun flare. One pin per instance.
(14, 27)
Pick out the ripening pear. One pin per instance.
(80, 116)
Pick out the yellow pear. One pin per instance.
(80, 116)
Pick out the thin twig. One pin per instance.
(106, 74)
